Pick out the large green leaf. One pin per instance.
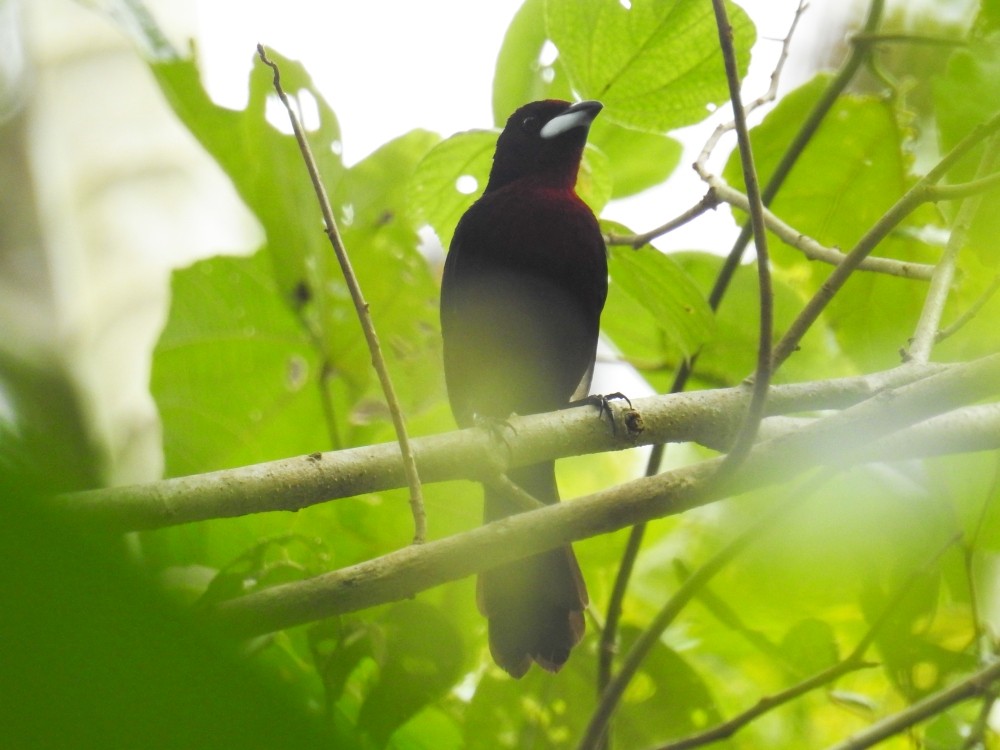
(966, 95)
(234, 375)
(270, 176)
(729, 355)
(850, 173)
(655, 64)
(521, 75)
(637, 160)
(655, 281)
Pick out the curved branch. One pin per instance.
(812, 249)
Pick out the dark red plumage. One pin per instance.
(524, 285)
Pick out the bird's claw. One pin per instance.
(603, 403)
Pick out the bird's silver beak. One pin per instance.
(578, 115)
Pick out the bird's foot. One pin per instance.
(603, 403)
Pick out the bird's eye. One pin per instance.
(529, 124)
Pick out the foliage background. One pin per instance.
(261, 358)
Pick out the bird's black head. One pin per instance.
(543, 139)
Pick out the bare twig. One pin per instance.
(707, 202)
(809, 247)
(361, 307)
(762, 373)
(973, 310)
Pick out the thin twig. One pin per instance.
(929, 322)
(707, 202)
(809, 247)
(762, 373)
(850, 663)
(765, 98)
(962, 190)
(978, 683)
(611, 696)
(361, 307)
(970, 313)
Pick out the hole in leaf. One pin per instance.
(466, 184)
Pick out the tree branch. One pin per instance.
(977, 683)
(707, 202)
(403, 573)
(809, 247)
(762, 372)
(913, 197)
(706, 417)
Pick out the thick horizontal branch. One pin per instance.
(705, 417)
(403, 573)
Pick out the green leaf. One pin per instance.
(850, 173)
(655, 281)
(265, 165)
(520, 76)
(966, 95)
(729, 354)
(450, 178)
(369, 202)
(234, 375)
(637, 160)
(809, 646)
(420, 656)
(655, 65)
(988, 19)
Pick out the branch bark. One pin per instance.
(403, 573)
(705, 417)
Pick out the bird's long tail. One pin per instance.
(535, 605)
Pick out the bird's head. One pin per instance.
(543, 139)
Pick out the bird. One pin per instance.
(523, 287)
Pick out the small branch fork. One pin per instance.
(360, 306)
